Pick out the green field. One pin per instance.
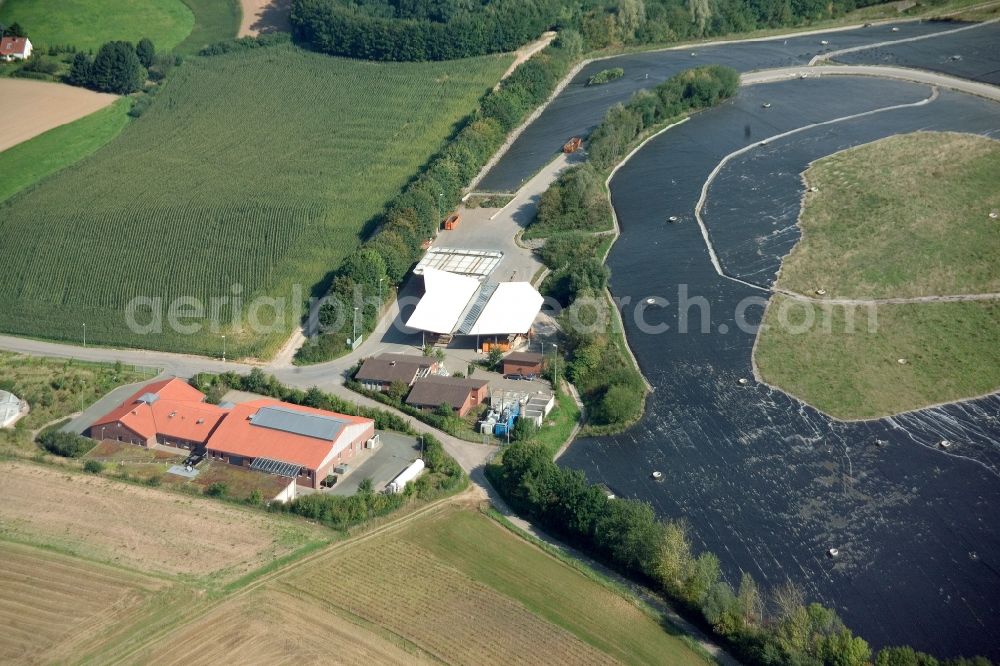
(30, 161)
(87, 24)
(257, 168)
(215, 21)
(952, 351)
(902, 217)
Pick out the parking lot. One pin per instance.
(381, 465)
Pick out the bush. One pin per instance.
(66, 444)
(93, 467)
(606, 76)
(217, 489)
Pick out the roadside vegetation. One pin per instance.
(760, 626)
(901, 217)
(574, 207)
(177, 207)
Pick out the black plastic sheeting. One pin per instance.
(764, 481)
(579, 107)
(969, 54)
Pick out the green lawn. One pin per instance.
(87, 24)
(252, 172)
(559, 423)
(952, 351)
(904, 216)
(488, 553)
(901, 217)
(27, 163)
(215, 21)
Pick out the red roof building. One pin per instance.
(15, 48)
(264, 434)
(314, 440)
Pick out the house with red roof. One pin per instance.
(265, 434)
(15, 48)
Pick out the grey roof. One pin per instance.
(278, 467)
(454, 391)
(298, 423)
(523, 357)
(393, 368)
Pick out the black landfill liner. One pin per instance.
(579, 107)
(766, 482)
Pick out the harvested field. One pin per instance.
(51, 604)
(271, 627)
(459, 586)
(139, 527)
(33, 107)
(264, 16)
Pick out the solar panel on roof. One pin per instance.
(298, 423)
(276, 467)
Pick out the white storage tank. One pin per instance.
(407, 475)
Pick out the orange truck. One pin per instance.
(572, 145)
(452, 221)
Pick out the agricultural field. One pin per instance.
(252, 172)
(137, 527)
(86, 24)
(903, 217)
(214, 21)
(38, 106)
(482, 595)
(52, 605)
(27, 163)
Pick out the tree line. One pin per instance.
(761, 627)
(119, 67)
(447, 29)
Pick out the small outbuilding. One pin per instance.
(523, 363)
(461, 394)
(12, 409)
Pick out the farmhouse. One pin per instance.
(496, 313)
(458, 393)
(289, 440)
(266, 435)
(522, 363)
(378, 373)
(15, 48)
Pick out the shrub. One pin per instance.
(93, 467)
(66, 444)
(606, 76)
(217, 489)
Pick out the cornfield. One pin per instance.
(259, 168)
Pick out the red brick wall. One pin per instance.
(118, 432)
(521, 368)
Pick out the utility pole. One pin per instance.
(223, 349)
(380, 295)
(421, 446)
(354, 338)
(84, 335)
(555, 366)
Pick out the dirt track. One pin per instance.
(33, 107)
(264, 16)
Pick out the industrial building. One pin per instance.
(523, 363)
(497, 314)
(461, 394)
(264, 435)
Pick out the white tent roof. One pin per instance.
(511, 309)
(444, 301)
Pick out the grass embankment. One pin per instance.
(272, 191)
(29, 162)
(901, 217)
(905, 216)
(86, 24)
(215, 20)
